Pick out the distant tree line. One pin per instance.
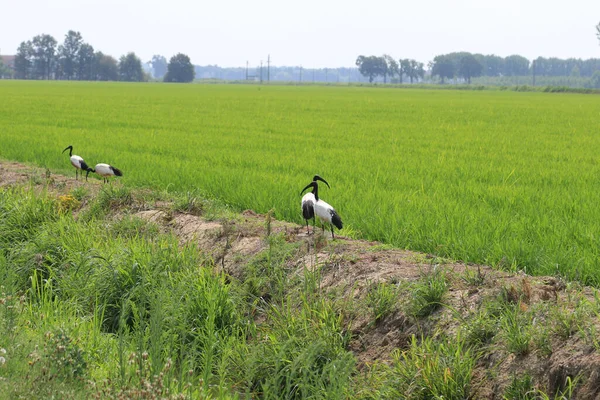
(386, 66)
(43, 58)
(465, 66)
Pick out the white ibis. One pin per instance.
(321, 209)
(105, 171)
(77, 162)
(308, 203)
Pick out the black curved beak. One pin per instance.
(318, 178)
(312, 184)
(69, 147)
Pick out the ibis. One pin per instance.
(77, 162)
(308, 204)
(105, 171)
(320, 208)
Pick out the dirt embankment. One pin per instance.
(351, 267)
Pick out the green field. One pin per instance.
(489, 177)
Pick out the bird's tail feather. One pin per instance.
(117, 171)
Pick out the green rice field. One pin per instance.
(503, 178)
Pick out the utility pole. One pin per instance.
(269, 68)
(261, 71)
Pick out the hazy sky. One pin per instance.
(311, 33)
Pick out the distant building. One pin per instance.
(8, 61)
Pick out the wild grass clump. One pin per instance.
(22, 213)
(382, 299)
(428, 294)
(190, 203)
(302, 353)
(110, 198)
(521, 388)
(433, 369)
(517, 330)
(265, 276)
(480, 329)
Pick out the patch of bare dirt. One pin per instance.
(349, 267)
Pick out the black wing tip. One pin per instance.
(308, 212)
(84, 166)
(117, 171)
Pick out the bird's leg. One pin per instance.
(332, 235)
(307, 231)
(76, 171)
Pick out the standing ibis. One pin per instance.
(321, 209)
(77, 162)
(105, 171)
(308, 203)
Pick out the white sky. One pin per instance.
(311, 33)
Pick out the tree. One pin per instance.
(180, 69)
(24, 60)
(494, 65)
(4, 70)
(67, 53)
(106, 68)
(392, 66)
(443, 67)
(371, 66)
(130, 68)
(469, 67)
(85, 62)
(595, 80)
(516, 65)
(159, 63)
(415, 70)
(404, 68)
(44, 55)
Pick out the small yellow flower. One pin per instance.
(67, 202)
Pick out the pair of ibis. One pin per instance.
(104, 170)
(312, 205)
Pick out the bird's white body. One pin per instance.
(77, 161)
(104, 170)
(324, 211)
(308, 198)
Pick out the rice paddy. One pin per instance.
(503, 178)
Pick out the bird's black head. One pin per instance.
(313, 185)
(70, 148)
(318, 178)
(88, 172)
